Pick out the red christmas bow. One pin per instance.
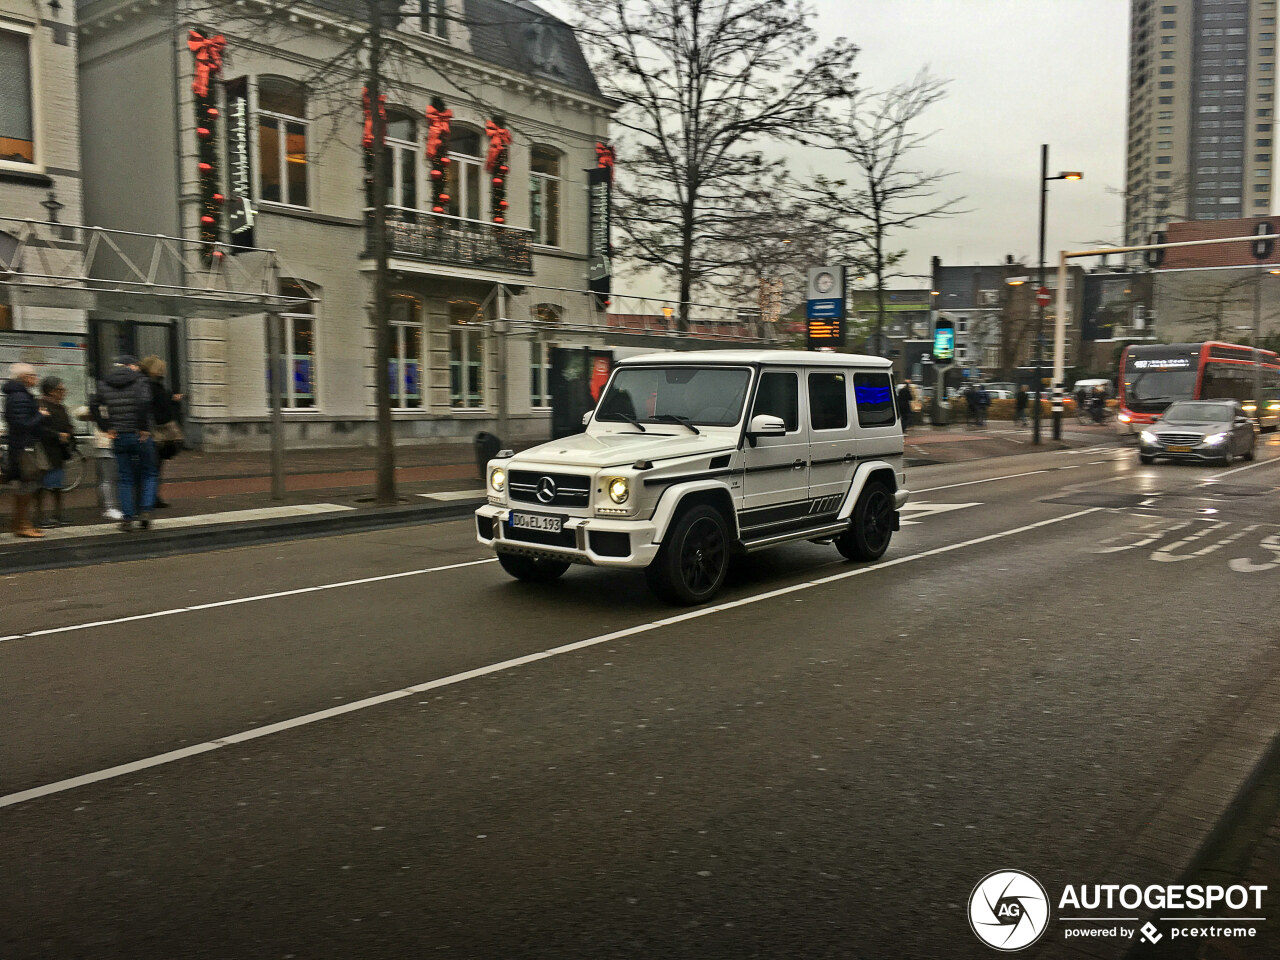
(499, 140)
(368, 117)
(208, 51)
(437, 129)
(605, 157)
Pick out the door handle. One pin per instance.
(799, 464)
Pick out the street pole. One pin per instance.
(501, 328)
(385, 487)
(1044, 196)
(1257, 356)
(1059, 347)
(275, 357)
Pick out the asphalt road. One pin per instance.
(380, 746)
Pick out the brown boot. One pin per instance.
(21, 525)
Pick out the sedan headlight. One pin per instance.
(1214, 439)
(619, 490)
(498, 479)
(1148, 437)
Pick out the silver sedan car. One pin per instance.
(1200, 430)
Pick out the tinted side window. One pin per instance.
(873, 394)
(779, 396)
(828, 406)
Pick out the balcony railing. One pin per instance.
(455, 241)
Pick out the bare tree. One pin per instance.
(1206, 304)
(874, 132)
(703, 83)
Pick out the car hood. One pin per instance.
(620, 449)
(1185, 426)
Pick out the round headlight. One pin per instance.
(498, 479)
(619, 490)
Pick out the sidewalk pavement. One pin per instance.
(221, 499)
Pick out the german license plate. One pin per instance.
(1179, 449)
(536, 521)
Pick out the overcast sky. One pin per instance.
(1023, 72)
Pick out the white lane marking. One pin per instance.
(969, 483)
(1166, 553)
(1270, 543)
(246, 735)
(261, 596)
(1247, 466)
(921, 508)
(1161, 531)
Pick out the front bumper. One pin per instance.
(582, 539)
(1199, 451)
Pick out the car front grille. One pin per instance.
(570, 490)
(1181, 439)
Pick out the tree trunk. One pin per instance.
(385, 489)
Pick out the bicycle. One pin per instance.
(74, 467)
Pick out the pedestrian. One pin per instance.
(1098, 403)
(165, 408)
(58, 440)
(1020, 405)
(971, 405)
(984, 401)
(905, 398)
(122, 408)
(22, 418)
(104, 467)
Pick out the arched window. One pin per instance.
(299, 348)
(466, 177)
(547, 315)
(282, 142)
(407, 351)
(402, 160)
(544, 196)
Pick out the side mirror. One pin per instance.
(764, 425)
(586, 417)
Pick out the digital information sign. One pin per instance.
(944, 344)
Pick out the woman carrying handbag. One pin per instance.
(23, 417)
(165, 409)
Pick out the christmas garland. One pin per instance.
(208, 62)
(496, 163)
(437, 151)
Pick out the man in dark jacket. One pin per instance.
(22, 417)
(122, 408)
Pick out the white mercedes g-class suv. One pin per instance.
(690, 457)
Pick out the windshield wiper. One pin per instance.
(631, 420)
(676, 418)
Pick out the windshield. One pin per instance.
(1153, 390)
(1201, 412)
(711, 396)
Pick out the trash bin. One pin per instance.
(487, 447)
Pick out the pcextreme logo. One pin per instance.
(1009, 910)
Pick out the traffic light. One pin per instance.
(944, 341)
(1262, 248)
(1155, 257)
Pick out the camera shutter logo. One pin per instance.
(546, 490)
(1009, 910)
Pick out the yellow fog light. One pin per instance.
(619, 490)
(498, 479)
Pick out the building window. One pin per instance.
(1164, 175)
(1167, 70)
(300, 351)
(465, 176)
(1164, 130)
(1166, 54)
(1166, 85)
(540, 357)
(1164, 145)
(1260, 203)
(544, 196)
(1166, 99)
(1261, 187)
(433, 18)
(17, 124)
(1169, 9)
(466, 356)
(402, 160)
(407, 359)
(1164, 160)
(1167, 40)
(1168, 25)
(282, 142)
(1211, 108)
(1165, 115)
(1264, 172)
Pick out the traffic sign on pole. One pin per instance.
(1042, 296)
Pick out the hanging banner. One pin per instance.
(240, 213)
(599, 238)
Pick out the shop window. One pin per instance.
(300, 350)
(282, 142)
(540, 355)
(407, 361)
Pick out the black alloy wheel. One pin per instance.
(690, 568)
(871, 527)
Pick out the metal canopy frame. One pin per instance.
(48, 264)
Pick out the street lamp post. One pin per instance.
(1057, 406)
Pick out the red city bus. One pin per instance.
(1154, 375)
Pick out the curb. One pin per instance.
(149, 545)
